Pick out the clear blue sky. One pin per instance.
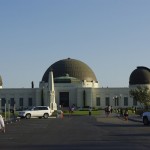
(110, 36)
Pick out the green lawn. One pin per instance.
(85, 112)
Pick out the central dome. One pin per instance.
(73, 68)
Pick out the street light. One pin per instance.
(9, 110)
(0, 105)
(91, 97)
(120, 99)
(117, 100)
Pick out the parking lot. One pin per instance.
(76, 132)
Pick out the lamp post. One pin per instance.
(5, 112)
(120, 100)
(91, 97)
(115, 98)
(0, 105)
(9, 110)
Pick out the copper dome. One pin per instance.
(73, 68)
(141, 75)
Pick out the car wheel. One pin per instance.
(28, 116)
(46, 116)
(145, 121)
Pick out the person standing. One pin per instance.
(126, 114)
(108, 110)
(90, 111)
(111, 110)
(121, 112)
(2, 124)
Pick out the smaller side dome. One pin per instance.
(1, 82)
(141, 75)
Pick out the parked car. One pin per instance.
(146, 118)
(38, 111)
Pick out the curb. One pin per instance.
(135, 120)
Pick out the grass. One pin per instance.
(83, 113)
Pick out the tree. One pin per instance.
(142, 95)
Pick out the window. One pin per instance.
(107, 101)
(12, 101)
(30, 102)
(44, 108)
(98, 101)
(125, 101)
(21, 102)
(3, 101)
(134, 102)
(37, 108)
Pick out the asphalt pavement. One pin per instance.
(74, 132)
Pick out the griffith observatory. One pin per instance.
(70, 82)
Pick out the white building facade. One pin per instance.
(74, 84)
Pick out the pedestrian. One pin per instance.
(2, 124)
(126, 114)
(105, 109)
(132, 109)
(70, 111)
(60, 114)
(108, 109)
(121, 112)
(135, 109)
(90, 111)
(111, 110)
(13, 114)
